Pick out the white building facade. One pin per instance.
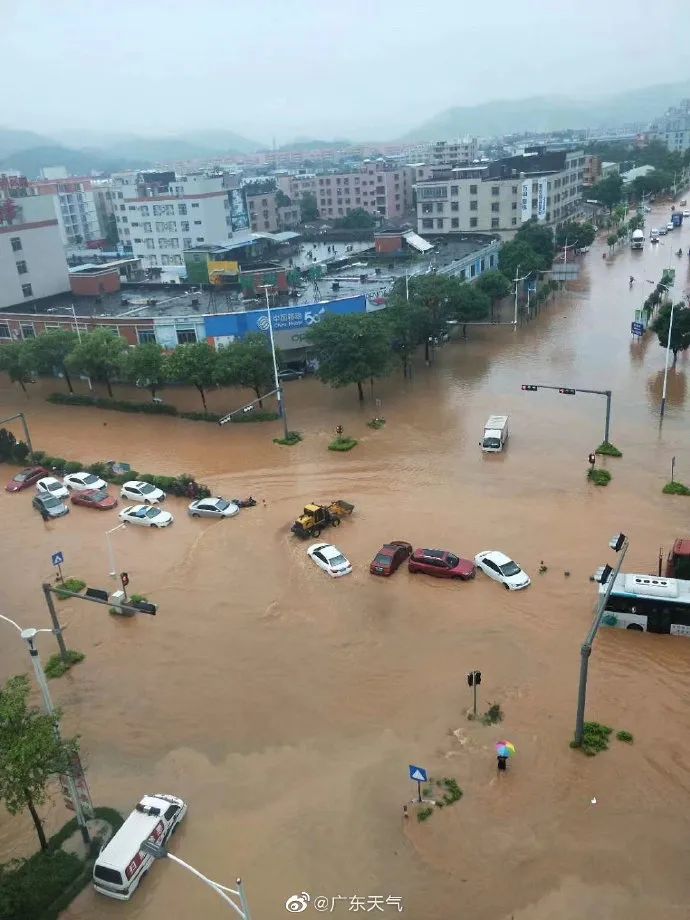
(159, 215)
(673, 128)
(32, 257)
(75, 206)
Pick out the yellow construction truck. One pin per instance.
(316, 517)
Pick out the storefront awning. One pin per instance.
(416, 242)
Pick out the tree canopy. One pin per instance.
(680, 333)
(99, 355)
(518, 258)
(51, 350)
(608, 191)
(196, 364)
(146, 366)
(494, 284)
(17, 362)
(30, 752)
(309, 206)
(350, 349)
(357, 219)
(540, 238)
(248, 363)
(582, 234)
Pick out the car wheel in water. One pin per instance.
(506, 587)
(336, 522)
(316, 532)
(636, 627)
(194, 514)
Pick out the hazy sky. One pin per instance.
(318, 68)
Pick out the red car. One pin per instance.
(93, 498)
(390, 557)
(442, 564)
(26, 478)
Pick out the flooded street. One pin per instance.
(285, 707)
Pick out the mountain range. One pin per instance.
(551, 113)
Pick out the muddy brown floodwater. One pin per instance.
(286, 707)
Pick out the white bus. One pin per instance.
(648, 603)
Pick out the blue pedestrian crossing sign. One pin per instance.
(58, 558)
(418, 773)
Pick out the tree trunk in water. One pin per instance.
(68, 379)
(37, 822)
(360, 391)
(203, 397)
(675, 355)
(21, 382)
(153, 392)
(258, 396)
(371, 386)
(404, 365)
(426, 350)
(110, 389)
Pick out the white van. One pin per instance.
(495, 434)
(121, 865)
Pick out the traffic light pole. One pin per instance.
(571, 391)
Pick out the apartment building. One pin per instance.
(673, 128)
(160, 214)
(76, 208)
(32, 258)
(500, 196)
(452, 153)
(272, 211)
(377, 187)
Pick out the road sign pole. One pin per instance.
(59, 568)
(608, 416)
(57, 629)
(474, 687)
(419, 790)
(673, 466)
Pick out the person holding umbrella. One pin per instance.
(504, 750)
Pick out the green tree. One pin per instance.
(350, 349)
(540, 238)
(408, 327)
(248, 363)
(611, 240)
(680, 334)
(51, 350)
(495, 285)
(99, 355)
(608, 192)
(357, 219)
(196, 365)
(309, 206)
(518, 258)
(282, 200)
(469, 303)
(16, 360)
(575, 232)
(30, 752)
(146, 365)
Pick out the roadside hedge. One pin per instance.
(121, 405)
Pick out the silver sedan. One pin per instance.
(213, 508)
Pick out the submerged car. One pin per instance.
(145, 516)
(441, 564)
(390, 557)
(503, 569)
(49, 485)
(330, 559)
(81, 481)
(49, 505)
(142, 491)
(26, 478)
(94, 498)
(213, 507)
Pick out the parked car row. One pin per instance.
(439, 563)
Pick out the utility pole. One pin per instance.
(279, 389)
(516, 280)
(57, 629)
(11, 418)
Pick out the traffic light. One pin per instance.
(124, 578)
(474, 678)
(530, 386)
(339, 430)
(566, 391)
(592, 459)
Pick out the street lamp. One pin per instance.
(160, 852)
(668, 349)
(111, 552)
(29, 636)
(279, 389)
(605, 575)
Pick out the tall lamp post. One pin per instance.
(279, 389)
(666, 287)
(605, 576)
(111, 552)
(242, 909)
(29, 636)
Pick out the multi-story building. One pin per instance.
(32, 258)
(452, 153)
(160, 214)
(75, 205)
(500, 196)
(272, 211)
(378, 187)
(673, 128)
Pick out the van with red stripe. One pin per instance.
(121, 864)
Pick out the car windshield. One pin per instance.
(510, 568)
(152, 513)
(51, 502)
(139, 513)
(146, 488)
(220, 505)
(382, 559)
(20, 477)
(97, 496)
(452, 560)
(90, 479)
(491, 442)
(337, 560)
(53, 486)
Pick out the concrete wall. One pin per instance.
(15, 326)
(105, 282)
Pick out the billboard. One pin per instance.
(526, 207)
(238, 210)
(541, 199)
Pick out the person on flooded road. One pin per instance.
(501, 762)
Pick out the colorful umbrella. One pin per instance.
(505, 748)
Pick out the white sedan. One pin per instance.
(330, 559)
(142, 491)
(80, 481)
(213, 507)
(501, 568)
(51, 486)
(146, 516)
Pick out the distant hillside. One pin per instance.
(222, 141)
(301, 144)
(76, 162)
(12, 141)
(551, 113)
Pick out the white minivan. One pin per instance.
(121, 865)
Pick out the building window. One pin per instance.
(200, 239)
(145, 335)
(195, 204)
(198, 223)
(21, 268)
(27, 290)
(439, 223)
(28, 331)
(186, 336)
(494, 206)
(184, 226)
(495, 189)
(514, 206)
(146, 226)
(473, 205)
(16, 243)
(182, 209)
(428, 224)
(473, 221)
(473, 270)
(494, 223)
(454, 206)
(515, 190)
(149, 243)
(534, 204)
(439, 207)
(166, 226)
(455, 223)
(131, 207)
(454, 191)
(427, 207)
(164, 210)
(187, 242)
(5, 331)
(513, 221)
(144, 210)
(473, 189)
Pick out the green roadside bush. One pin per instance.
(152, 408)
